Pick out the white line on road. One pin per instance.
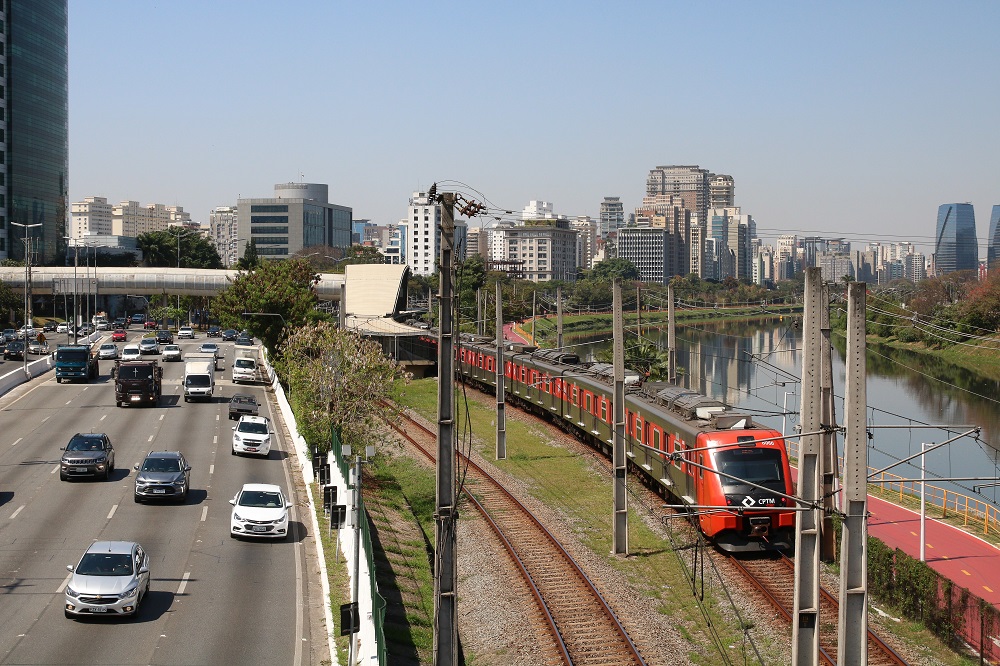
(161, 416)
(216, 417)
(211, 469)
(184, 582)
(204, 513)
(150, 439)
(215, 440)
(104, 417)
(68, 401)
(17, 440)
(54, 469)
(112, 513)
(17, 511)
(64, 584)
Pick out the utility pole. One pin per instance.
(638, 313)
(805, 617)
(559, 322)
(620, 472)
(342, 315)
(534, 295)
(671, 337)
(445, 514)
(501, 378)
(852, 638)
(479, 311)
(828, 542)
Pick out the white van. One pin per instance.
(199, 380)
(245, 365)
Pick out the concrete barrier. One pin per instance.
(37, 367)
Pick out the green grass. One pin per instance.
(337, 573)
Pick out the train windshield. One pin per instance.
(757, 465)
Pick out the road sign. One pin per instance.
(349, 621)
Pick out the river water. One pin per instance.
(757, 367)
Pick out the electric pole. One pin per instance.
(620, 467)
(671, 338)
(559, 322)
(501, 379)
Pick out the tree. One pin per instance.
(280, 292)
(249, 260)
(607, 270)
(337, 379)
(160, 249)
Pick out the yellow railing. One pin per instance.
(898, 489)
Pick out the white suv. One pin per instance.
(185, 332)
(252, 434)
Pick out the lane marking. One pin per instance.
(54, 469)
(45, 419)
(65, 582)
(112, 513)
(930, 545)
(161, 416)
(204, 513)
(17, 440)
(184, 582)
(68, 401)
(966, 572)
(216, 417)
(17, 511)
(913, 533)
(104, 417)
(987, 589)
(215, 440)
(150, 439)
(211, 469)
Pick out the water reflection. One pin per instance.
(757, 366)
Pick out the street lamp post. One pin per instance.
(76, 312)
(27, 280)
(178, 235)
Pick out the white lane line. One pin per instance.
(161, 416)
(150, 439)
(184, 582)
(45, 419)
(17, 511)
(54, 469)
(215, 440)
(211, 469)
(112, 513)
(216, 417)
(64, 584)
(104, 417)
(204, 513)
(17, 440)
(68, 401)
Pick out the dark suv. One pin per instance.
(14, 350)
(87, 454)
(165, 337)
(163, 475)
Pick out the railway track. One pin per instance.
(775, 578)
(583, 628)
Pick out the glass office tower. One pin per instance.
(993, 241)
(34, 127)
(956, 247)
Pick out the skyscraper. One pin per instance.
(34, 121)
(955, 246)
(690, 183)
(612, 216)
(993, 240)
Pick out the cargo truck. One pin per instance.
(245, 365)
(138, 382)
(76, 362)
(199, 380)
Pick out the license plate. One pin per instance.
(251, 450)
(159, 491)
(136, 398)
(98, 609)
(259, 528)
(79, 470)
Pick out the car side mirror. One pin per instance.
(288, 505)
(135, 467)
(187, 468)
(62, 448)
(234, 427)
(69, 567)
(233, 501)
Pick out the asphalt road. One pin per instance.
(212, 599)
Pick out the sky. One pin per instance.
(853, 119)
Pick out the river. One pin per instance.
(757, 367)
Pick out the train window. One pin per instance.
(489, 364)
(576, 394)
(758, 465)
(587, 396)
(638, 429)
(701, 470)
(604, 410)
(657, 440)
(524, 373)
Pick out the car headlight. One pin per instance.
(237, 438)
(179, 482)
(71, 592)
(237, 517)
(130, 591)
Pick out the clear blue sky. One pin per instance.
(852, 118)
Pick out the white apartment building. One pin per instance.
(224, 231)
(422, 238)
(547, 249)
(130, 218)
(647, 248)
(92, 216)
(612, 216)
(538, 210)
(586, 227)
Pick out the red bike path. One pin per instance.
(958, 555)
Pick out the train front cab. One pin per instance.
(753, 525)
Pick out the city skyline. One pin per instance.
(832, 120)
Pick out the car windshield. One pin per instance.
(136, 372)
(757, 465)
(244, 363)
(108, 347)
(71, 355)
(261, 498)
(208, 347)
(200, 381)
(170, 348)
(252, 428)
(105, 564)
(85, 444)
(148, 342)
(161, 465)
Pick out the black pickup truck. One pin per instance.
(242, 404)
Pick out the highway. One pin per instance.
(212, 599)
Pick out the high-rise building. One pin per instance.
(612, 216)
(131, 218)
(93, 215)
(690, 183)
(721, 191)
(586, 229)
(648, 249)
(34, 121)
(956, 247)
(423, 236)
(223, 231)
(298, 216)
(993, 240)
(544, 249)
(538, 210)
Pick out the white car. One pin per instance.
(252, 434)
(185, 332)
(63, 327)
(259, 510)
(171, 353)
(131, 353)
(108, 350)
(112, 578)
(149, 346)
(211, 348)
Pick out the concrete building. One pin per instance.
(538, 210)
(648, 248)
(422, 235)
(956, 247)
(130, 218)
(612, 216)
(690, 183)
(546, 248)
(93, 215)
(223, 231)
(299, 215)
(833, 267)
(721, 191)
(34, 134)
(993, 239)
(697, 250)
(586, 228)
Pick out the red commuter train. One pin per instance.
(675, 440)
